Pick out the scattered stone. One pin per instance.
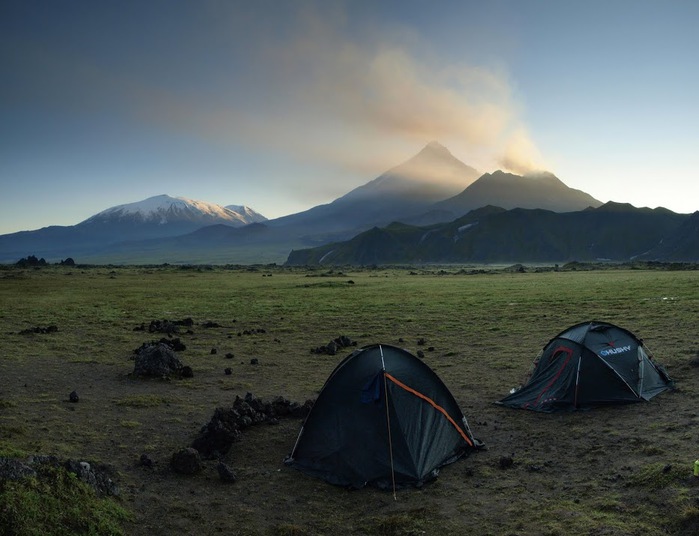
(334, 345)
(165, 326)
(186, 461)
(145, 461)
(39, 329)
(225, 473)
(255, 331)
(228, 371)
(421, 342)
(187, 372)
(694, 361)
(421, 354)
(214, 351)
(430, 349)
(254, 361)
(210, 324)
(506, 462)
(73, 397)
(229, 355)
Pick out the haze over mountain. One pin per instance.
(410, 188)
(431, 187)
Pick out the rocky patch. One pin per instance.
(98, 477)
(227, 424)
(334, 346)
(165, 326)
(39, 329)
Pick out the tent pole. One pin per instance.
(577, 378)
(388, 424)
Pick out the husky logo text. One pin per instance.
(612, 351)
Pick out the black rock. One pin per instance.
(186, 461)
(73, 397)
(158, 360)
(506, 461)
(225, 473)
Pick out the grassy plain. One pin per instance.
(613, 471)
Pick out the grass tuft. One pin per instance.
(56, 502)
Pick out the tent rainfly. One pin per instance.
(590, 364)
(383, 418)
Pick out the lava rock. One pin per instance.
(186, 461)
(225, 473)
(159, 361)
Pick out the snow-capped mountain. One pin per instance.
(163, 210)
(157, 217)
(247, 213)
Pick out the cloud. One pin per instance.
(520, 154)
(316, 83)
(332, 90)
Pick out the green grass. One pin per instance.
(57, 503)
(594, 472)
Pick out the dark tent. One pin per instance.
(590, 364)
(383, 418)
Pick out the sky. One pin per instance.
(282, 105)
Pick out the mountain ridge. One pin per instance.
(492, 234)
(430, 188)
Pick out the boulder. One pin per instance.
(186, 461)
(157, 361)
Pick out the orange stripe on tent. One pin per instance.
(431, 403)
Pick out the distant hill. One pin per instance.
(156, 217)
(612, 232)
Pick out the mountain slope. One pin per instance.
(492, 234)
(682, 245)
(540, 190)
(432, 175)
(247, 214)
(156, 217)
